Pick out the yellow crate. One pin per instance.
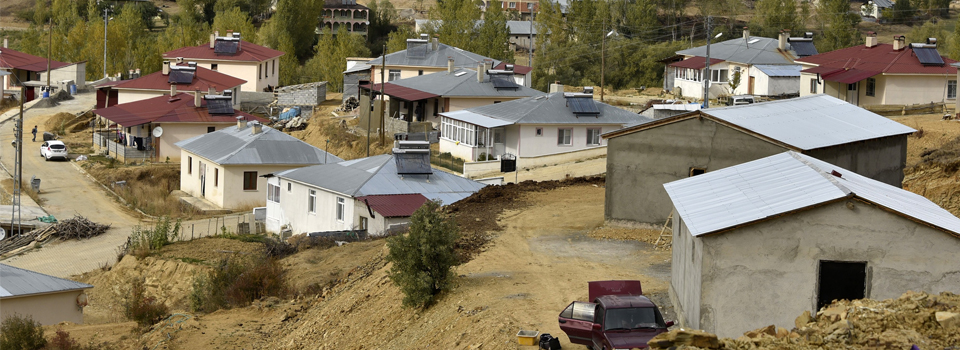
(527, 337)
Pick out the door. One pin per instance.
(577, 322)
(852, 95)
(750, 84)
(203, 179)
(841, 280)
(499, 137)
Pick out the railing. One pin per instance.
(103, 142)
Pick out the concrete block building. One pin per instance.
(641, 158)
(761, 242)
(46, 299)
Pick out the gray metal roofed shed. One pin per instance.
(233, 146)
(17, 282)
(779, 70)
(46, 299)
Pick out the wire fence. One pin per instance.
(238, 224)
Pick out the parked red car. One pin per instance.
(619, 317)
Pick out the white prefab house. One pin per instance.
(811, 231)
(225, 167)
(341, 196)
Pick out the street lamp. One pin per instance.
(603, 57)
(706, 69)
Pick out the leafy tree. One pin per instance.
(289, 65)
(382, 16)
(459, 22)
(640, 20)
(775, 15)
(901, 12)
(21, 333)
(423, 258)
(929, 29)
(294, 20)
(493, 36)
(397, 40)
(838, 25)
(330, 58)
(235, 19)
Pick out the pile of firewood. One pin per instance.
(79, 228)
(18, 243)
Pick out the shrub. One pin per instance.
(144, 241)
(304, 242)
(63, 341)
(21, 333)
(423, 258)
(146, 311)
(273, 248)
(233, 283)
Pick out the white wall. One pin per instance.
(176, 132)
(48, 309)
(293, 210)
(535, 146)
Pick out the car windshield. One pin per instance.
(58, 147)
(632, 318)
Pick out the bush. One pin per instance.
(144, 241)
(146, 311)
(233, 283)
(63, 341)
(21, 333)
(423, 258)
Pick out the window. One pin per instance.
(719, 75)
(216, 177)
(841, 280)
(312, 202)
(274, 67)
(871, 87)
(213, 66)
(394, 75)
(697, 171)
(512, 5)
(363, 223)
(852, 87)
(564, 137)
(420, 72)
(579, 310)
(289, 187)
(813, 85)
(340, 208)
(529, 6)
(273, 193)
(266, 69)
(259, 71)
(951, 89)
(249, 180)
(189, 165)
(593, 137)
(436, 106)
(458, 131)
(211, 129)
(539, 132)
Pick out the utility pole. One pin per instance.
(105, 22)
(383, 67)
(706, 69)
(603, 55)
(18, 166)
(49, 52)
(530, 42)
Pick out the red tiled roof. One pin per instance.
(13, 59)
(164, 109)
(202, 80)
(881, 58)
(401, 92)
(516, 68)
(695, 62)
(850, 76)
(822, 70)
(248, 52)
(395, 205)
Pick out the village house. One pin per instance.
(875, 8)
(761, 242)
(150, 129)
(224, 167)
(422, 98)
(523, 34)
(353, 17)
(756, 65)
(424, 56)
(30, 71)
(230, 55)
(641, 158)
(881, 74)
(546, 129)
(46, 299)
(368, 194)
(186, 76)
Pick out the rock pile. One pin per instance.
(925, 320)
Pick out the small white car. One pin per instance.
(53, 149)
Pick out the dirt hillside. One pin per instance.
(932, 158)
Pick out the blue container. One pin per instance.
(46, 93)
(73, 89)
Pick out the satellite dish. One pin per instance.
(3, 233)
(157, 131)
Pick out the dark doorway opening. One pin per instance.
(841, 280)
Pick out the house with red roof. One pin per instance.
(257, 65)
(178, 76)
(881, 74)
(150, 128)
(29, 70)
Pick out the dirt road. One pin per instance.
(66, 192)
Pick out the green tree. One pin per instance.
(774, 15)
(929, 29)
(289, 65)
(838, 25)
(397, 40)
(493, 37)
(423, 259)
(330, 58)
(901, 12)
(382, 16)
(459, 24)
(294, 20)
(235, 19)
(21, 333)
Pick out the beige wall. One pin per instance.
(901, 89)
(176, 132)
(224, 184)
(47, 309)
(249, 71)
(133, 95)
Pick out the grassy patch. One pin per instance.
(245, 237)
(146, 187)
(234, 283)
(191, 260)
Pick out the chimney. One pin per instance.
(556, 87)
(746, 34)
(241, 122)
(197, 99)
(257, 128)
(216, 33)
(784, 36)
(434, 45)
(137, 72)
(212, 90)
(130, 74)
(898, 43)
(173, 90)
(4, 43)
(213, 39)
(166, 67)
(487, 64)
(449, 65)
(871, 39)
(480, 71)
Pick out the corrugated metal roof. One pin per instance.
(401, 92)
(17, 282)
(163, 109)
(522, 27)
(395, 205)
(249, 52)
(552, 109)
(779, 70)
(461, 58)
(810, 122)
(695, 62)
(203, 79)
(822, 70)
(881, 58)
(232, 146)
(377, 175)
(462, 83)
(761, 51)
(784, 183)
(883, 3)
(476, 119)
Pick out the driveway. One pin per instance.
(66, 192)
